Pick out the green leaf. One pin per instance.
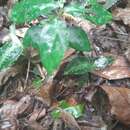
(27, 10)
(9, 53)
(55, 114)
(76, 110)
(78, 39)
(94, 13)
(97, 14)
(79, 65)
(63, 104)
(75, 9)
(82, 65)
(50, 41)
(103, 61)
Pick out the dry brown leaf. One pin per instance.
(46, 92)
(58, 124)
(12, 108)
(119, 98)
(122, 14)
(35, 125)
(69, 120)
(118, 70)
(37, 113)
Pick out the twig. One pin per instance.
(43, 75)
(27, 74)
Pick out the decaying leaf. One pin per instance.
(119, 98)
(58, 124)
(122, 14)
(12, 109)
(69, 120)
(118, 70)
(46, 93)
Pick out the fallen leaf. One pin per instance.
(69, 120)
(21, 32)
(12, 109)
(119, 98)
(37, 113)
(35, 125)
(58, 124)
(118, 70)
(122, 14)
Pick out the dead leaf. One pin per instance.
(119, 98)
(12, 109)
(122, 14)
(69, 120)
(9, 124)
(58, 124)
(94, 122)
(37, 113)
(21, 32)
(46, 93)
(118, 70)
(35, 125)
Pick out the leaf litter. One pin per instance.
(104, 92)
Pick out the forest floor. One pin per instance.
(29, 102)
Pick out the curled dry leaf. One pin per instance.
(122, 14)
(119, 98)
(118, 70)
